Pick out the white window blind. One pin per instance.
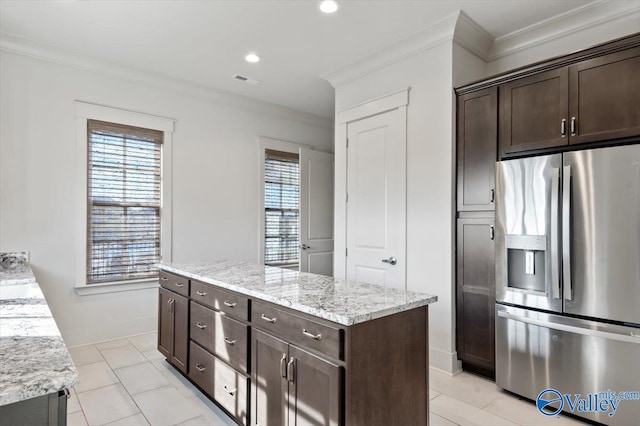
(123, 202)
(282, 208)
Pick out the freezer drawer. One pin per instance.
(537, 351)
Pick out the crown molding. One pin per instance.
(562, 25)
(431, 36)
(24, 47)
(473, 37)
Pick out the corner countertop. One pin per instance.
(35, 359)
(341, 301)
(15, 269)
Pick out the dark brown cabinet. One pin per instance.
(476, 293)
(593, 100)
(604, 97)
(477, 149)
(293, 386)
(283, 366)
(173, 328)
(533, 112)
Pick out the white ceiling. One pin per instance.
(205, 42)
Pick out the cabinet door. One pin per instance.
(268, 379)
(315, 387)
(604, 97)
(180, 332)
(165, 322)
(532, 110)
(476, 292)
(477, 149)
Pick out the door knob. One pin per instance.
(304, 247)
(391, 261)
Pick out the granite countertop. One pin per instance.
(35, 360)
(15, 269)
(341, 301)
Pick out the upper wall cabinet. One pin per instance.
(533, 112)
(593, 100)
(604, 97)
(477, 149)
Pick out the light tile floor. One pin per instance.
(128, 382)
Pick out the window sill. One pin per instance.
(116, 286)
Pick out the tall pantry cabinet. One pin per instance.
(477, 150)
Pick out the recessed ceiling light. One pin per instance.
(328, 6)
(252, 57)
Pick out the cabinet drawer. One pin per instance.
(227, 302)
(299, 331)
(221, 335)
(219, 381)
(175, 283)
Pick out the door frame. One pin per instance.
(265, 143)
(395, 100)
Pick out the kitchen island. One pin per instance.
(36, 368)
(271, 345)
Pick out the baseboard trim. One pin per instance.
(444, 361)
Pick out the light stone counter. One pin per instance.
(34, 361)
(14, 269)
(341, 301)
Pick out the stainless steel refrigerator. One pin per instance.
(568, 278)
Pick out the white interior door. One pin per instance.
(376, 199)
(316, 212)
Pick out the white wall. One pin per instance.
(215, 181)
(430, 166)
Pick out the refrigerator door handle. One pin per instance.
(555, 237)
(566, 232)
(558, 325)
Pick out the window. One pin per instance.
(282, 208)
(123, 202)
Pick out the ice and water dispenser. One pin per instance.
(526, 260)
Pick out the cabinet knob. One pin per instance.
(200, 367)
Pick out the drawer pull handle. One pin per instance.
(229, 304)
(229, 391)
(313, 336)
(201, 325)
(267, 319)
(179, 285)
(229, 342)
(200, 367)
(164, 279)
(201, 293)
